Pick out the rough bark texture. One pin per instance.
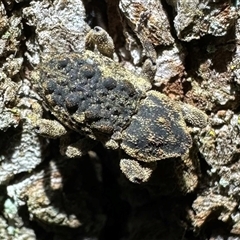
(195, 46)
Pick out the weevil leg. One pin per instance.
(76, 149)
(136, 172)
(193, 115)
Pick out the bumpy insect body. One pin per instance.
(93, 95)
(87, 96)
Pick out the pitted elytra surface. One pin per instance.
(80, 96)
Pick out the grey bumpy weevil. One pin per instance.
(96, 97)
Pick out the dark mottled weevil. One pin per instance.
(96, 97)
